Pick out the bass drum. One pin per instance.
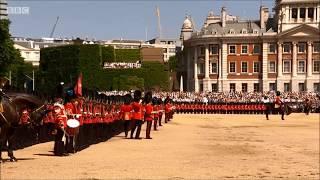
(72, 127)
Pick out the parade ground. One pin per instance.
(189, 147)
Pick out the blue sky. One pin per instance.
(127, 19)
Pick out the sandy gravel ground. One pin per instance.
(190, 147)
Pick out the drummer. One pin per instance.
(70, 108)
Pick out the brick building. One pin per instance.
(279, 52)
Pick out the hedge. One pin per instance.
(127, 55)
(64, 63)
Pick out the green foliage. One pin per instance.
(125, 82)
(9, 55)
(173, 63)
(64, 63)
(127, 55)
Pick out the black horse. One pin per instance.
(13, 105)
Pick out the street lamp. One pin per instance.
(31, 79)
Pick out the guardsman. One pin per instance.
(307, 106)
(148, 116)
(70, 132)
(61, 124)
(156, 113)
(137, 117)
(267, 107)
(160, 110)
(279, 105)
(125, 113)
(167, 110)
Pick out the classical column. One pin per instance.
(224, 61)
(309, 59)
(206, 61)
(279, 59)
(196, 81)
(298, 17)
(220, 69)
(294, 59)
(264, 67)
(279, 75)
(306, 17)
(309, 85)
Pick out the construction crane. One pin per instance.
(54, 27)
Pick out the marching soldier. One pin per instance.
(279, 105)
(148, 117)
(267, 108)
(125, 113)
(137, 117)
(61, 123)
(156, 113)
(307, 106)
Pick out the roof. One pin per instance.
(237, 27)
(297, 1)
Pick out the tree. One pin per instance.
(9, 55)
(173, 65)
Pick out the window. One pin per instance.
(214, 68)
(232, 67)
(272, 86)
(286, 48)
(286, 87)
(172, 50)
(255, 31)
(301, 87)
(272, 67)
(316, 47)
(302, 47)
(244, 87)
(202, 50)
(244, 49)
(302, 12)
(201, 87)
(316, 66)
(231, 31)
(201, 68)
(232, 49)
(214, 49)
(27, 55)
(301, 66)
(244, 31)
(286, 66)
(256, 87)
(256, 67)
(214, 87)
(244, 67)
(272, 48)
(316, 87)
(310, 12)
(256, 49)
(164, 50)
(294, 14)
(232, 87)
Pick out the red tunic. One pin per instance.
(148, 112)
(137, 111)
(125, 112)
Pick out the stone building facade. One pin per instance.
(279, 52)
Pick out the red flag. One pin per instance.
(78, 86)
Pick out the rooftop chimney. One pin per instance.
(264, 15)
(223, 16)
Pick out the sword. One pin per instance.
(4, 118)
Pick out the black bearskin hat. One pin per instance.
(155, 101)
(278, 93)
(148, 97)
(137, 95)
(127, 99)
